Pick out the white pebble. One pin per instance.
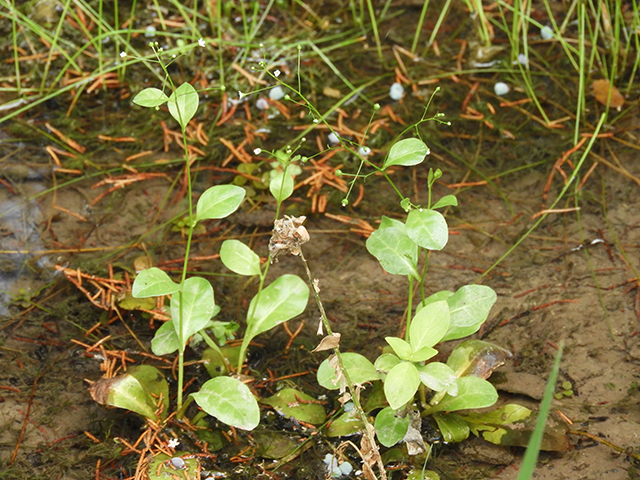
(546, 33)
(262, 104)
(522, 58)
(346, 468)
(396, 92)
(333, 138)
(150, 31)
(501, 88)
(276, 93)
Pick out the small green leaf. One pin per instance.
(230, 401)
(401, 347)
(386, 362)
(348, 423)
(390, 428)
(359, 368)
(423, 354)
(290, 402)
(153, 282)
(183, 104)
(239, 258)
(197, 304)
(159, 470)
(469, 308)
(439, 377)
(446, 201)
(150, 97)
(219, 201)
(401, 384)
(165, 341)
(473, 392)
(281, 186)
(407, 152)
(429, 325)
(395, 251)
(427, 228)
(282, 300)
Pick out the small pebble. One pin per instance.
(396, 92)
(546, 33)
(333, 138)
(276, 93)
(178, 463)
(501, 88)
(522, 58)
(262, 104)
(150, 31)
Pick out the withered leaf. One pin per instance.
(328, 342)
(601, 90)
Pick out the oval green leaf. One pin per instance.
(390, 429)
(446, 201)
(439, 377)
(153, 282)
(281, 186)
(395, 251)
(429, 325)
(230, 401)
(427, 228)
(473, 392)
(401, 384)
(239, 258)
(359, 368)
(150, 97)
(290, 402)
(219, 201)
(469, 308)
(400, 347)
(165, 341)
(183, 104)
(197, 305)
(407, 152)
(452, 427)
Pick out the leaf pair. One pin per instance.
(183, 102)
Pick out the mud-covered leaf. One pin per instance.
(477, 358)
(428, 229)
(138, 390)
(360, 370)
(153, 282)
(239, 258)
(219, 201)
(274, 445)
(401, 384)
(407, 152)
(346, 424)
(452, 427)
(129, 302)
(293, 403)
(390, 428)
(230, 401)
(473, 392)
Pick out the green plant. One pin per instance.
(413, 387)
(192, 304)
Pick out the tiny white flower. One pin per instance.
(123, 54)
(201, 42)
(501, 88)
(276, 73)
(257, 151)
(240, 94)
(173, 443)
(364, 151)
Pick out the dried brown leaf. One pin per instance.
(601, 90)
(327, 343)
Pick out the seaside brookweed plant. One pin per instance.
(192, 303)
(415, 387)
